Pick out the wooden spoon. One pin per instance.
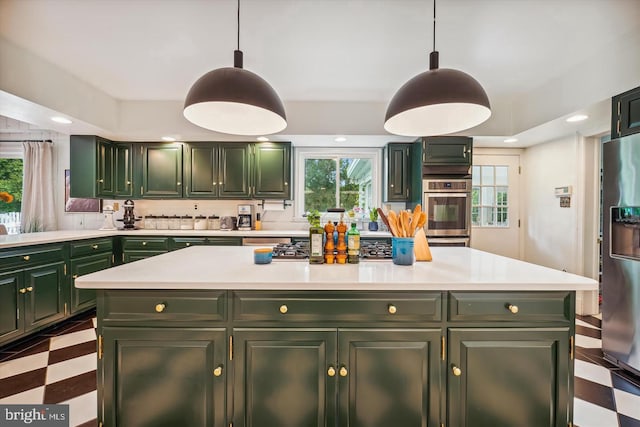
(393, 224)
(385, 220)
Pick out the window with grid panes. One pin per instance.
(489, 201)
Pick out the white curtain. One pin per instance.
(38, 206)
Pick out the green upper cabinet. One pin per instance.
(625, 113)
(100, 168)
(201, 170)
(398, 172)
(446, 150)
(161, 170)
(272, 170)
(234, 173)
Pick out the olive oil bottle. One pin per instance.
(316, 249)
(353, 244)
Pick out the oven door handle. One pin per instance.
(447, 240)
(430, 195)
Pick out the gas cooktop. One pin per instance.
(369, 250)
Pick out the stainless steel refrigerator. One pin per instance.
(621, 252)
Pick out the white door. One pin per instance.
(495, 211)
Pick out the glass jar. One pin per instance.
(214, 222)
(150, 222)
(162, 222)
(186, 222)
(200, 222)
(174, 222)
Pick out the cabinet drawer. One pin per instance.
(145, 243)
(89, 247)
(185, 242)
(335, 306)
(165, 306)
(510, 306)
(32, 255)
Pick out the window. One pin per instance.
(11, 182)
(490, 205)
(343, 178)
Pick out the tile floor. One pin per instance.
(59, 366)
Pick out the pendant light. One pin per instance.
(235, 101)
(438, 101)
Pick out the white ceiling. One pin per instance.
(332, 52)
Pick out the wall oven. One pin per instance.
(447, 203)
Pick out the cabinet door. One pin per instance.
(201, 170)
(626, 114)
(131, 256)
(44, 300)
(106, 154)
(447, 150)
(390, 378)
(282, 378)
(161, 171)
(272, 171)
(234, 171)
(398, 172)
(123, 170)
(516, 377)
(159, 377)
(10, 298)
(85, 298)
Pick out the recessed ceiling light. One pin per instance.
(577, 118)
(340, 139)
(262, 138)
(511, 140)
(62, 120)
(168, 139)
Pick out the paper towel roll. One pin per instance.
(273, 205)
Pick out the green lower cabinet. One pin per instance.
(132, 256)
(164, 377)
(281, 377)
(389, 378)
(85, 298)
(509, 377)
(10, 302)
(44, 301)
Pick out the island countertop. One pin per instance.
(224, 267)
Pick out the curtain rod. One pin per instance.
(26, 140)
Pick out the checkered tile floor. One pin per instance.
(59, 366)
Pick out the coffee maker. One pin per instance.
(129, 218)
(245, 217)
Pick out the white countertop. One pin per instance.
(227, 267)
(26, 239)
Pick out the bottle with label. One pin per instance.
(258, 224)
(353, 244)
(316, 250)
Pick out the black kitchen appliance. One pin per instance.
(129, 219)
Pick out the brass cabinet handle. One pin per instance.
(391, 185)
(343, 372)
(26, 257)
(144, 243)
(128, 182)
(456, 371)
(178, 183)
(286, 183)
(215, 183)
(75, 276)
(94, 246)
(30, 289)
(513, 308)
(331, 371)
(284, 309)
(392, 309)
(101, 181)
(220, 183)
(160, 307)
(23, 291)
(188, 244)
(218, 371)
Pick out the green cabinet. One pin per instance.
(137, 248)
(87, 256)
(160, 166)
(625, 113)
(201, 170)
(100, 168)
(11, 301)
(163, 376)
(509, 377)
(234, 170)
(397, 172)
(272, 170)
(283, 377)
(446, 151)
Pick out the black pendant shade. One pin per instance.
(235, 101)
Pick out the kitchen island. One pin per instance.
(206, 337)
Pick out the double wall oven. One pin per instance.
(447, 202)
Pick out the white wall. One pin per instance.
(552, 234)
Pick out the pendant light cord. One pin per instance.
(434, 56)
(237, 54)
(239, 24)
(434, 24)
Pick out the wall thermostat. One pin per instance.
(563, 191)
